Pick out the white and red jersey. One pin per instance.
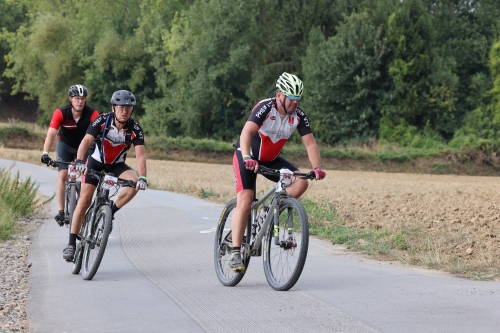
(115, 148)
(274, 129)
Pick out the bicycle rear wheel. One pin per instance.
(223, 247)
(285, 246)
(95, 244)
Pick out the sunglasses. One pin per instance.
(124, 108)
(293, 98)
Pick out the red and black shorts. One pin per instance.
(246, 179)
(116, 169)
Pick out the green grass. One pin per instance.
(17, 199)
(207, 193)
(325, 223)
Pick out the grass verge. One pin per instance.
(18, 198)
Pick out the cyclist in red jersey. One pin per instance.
(117, 132)
(270, 125)
(70, 124)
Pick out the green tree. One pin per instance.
(424, 85)
(345, 80)
(13, 15)
(91, 42)
(465, 31)
(481, 128)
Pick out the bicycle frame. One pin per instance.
(278, 191)
(101, 198)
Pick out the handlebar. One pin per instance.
(54, 164)
(268, 171)
(100, 174)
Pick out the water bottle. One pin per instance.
(262, 216)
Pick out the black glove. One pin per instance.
(46, 159)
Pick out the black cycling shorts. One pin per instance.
(66, 153)
(247, 179)
(116, 169)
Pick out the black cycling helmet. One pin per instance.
(77, 90)
(123, 97)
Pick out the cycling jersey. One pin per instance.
(71, 130)
(115, 147)
(274, 129)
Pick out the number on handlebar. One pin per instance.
(286, 176)
(109, 182)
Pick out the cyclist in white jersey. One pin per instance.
(117, 132)
(270, 125)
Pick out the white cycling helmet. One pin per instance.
(290, 84)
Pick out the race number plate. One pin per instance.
(109, 182)
(286, 176)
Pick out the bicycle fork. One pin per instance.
(289, 242)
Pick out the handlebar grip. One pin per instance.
(311, 175)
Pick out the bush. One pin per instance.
(17, 199)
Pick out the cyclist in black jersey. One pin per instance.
(270, 125)
(117, 132)
(69, 123)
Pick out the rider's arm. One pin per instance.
(140, 157)
(51, 134)
(247, 133)
(312, 150)
(84, 146)
(55, 122)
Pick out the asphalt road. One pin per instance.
(157, 275)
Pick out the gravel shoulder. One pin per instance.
(14, 275)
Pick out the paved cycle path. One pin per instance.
(157, 275)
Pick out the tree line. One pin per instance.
(413, 72)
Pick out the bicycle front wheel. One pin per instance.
(285, 246)
(95, 244)
(223, 247)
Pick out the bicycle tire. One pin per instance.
(77, 261)
(72, 204)
(222, 251)
(95, 245)
(284, 263)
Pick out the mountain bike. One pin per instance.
(282, 236)
(94, 233)
(71, 191)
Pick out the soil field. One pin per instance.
(447, 222)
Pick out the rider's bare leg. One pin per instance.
(128, 193)
(60, 187)
(298, 188)
(84, 201)
(244, 200)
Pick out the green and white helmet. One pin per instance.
(290, 84)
